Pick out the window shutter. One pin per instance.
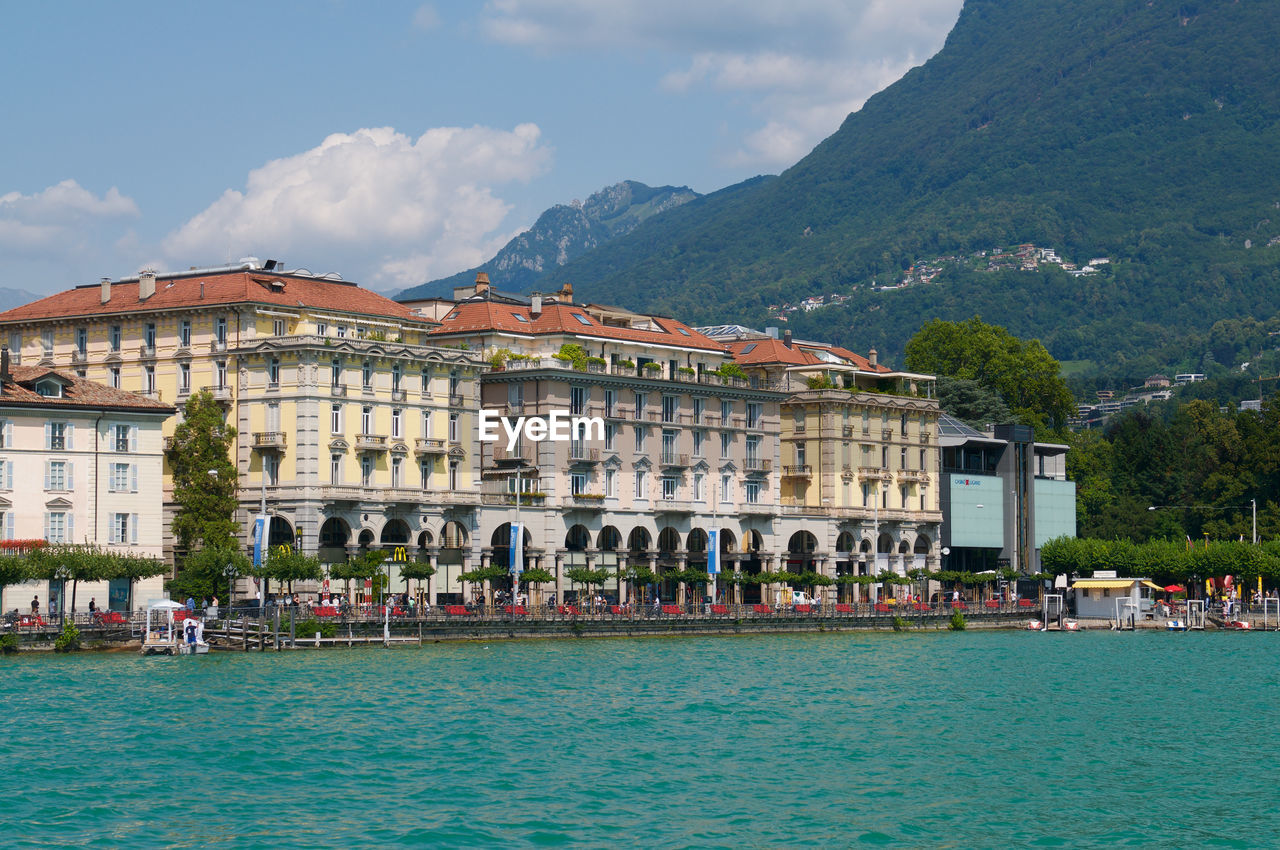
(133, 477)
(46, 478)
(8, 433)
(46, 525)
(71, 433)
(71, 527)
(48, 435)
(8, 475)
(133, 528)
(8, 525)
(133, 439)
(71, 476)
(111, 529)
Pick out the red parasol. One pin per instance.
(1175, 588)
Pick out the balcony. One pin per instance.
(526, 499)
(341, 493)
(79, 357)
(887, 435)
(274, 440)
(758, 464)
(578, 454)
(402, 495)
(797, 471)
(674, 459)
(337, 389)
(513, 409)
(371, 442)
(846, 431)
(221, 393)
(673, 506)
(618, 411)
(457, 401)
(918, 475)
(400, 395)
(873, 472)
(757, 509)
(147, 352)
(217, 346)
(168, 444)
(588, 501)
(520, 454)
(429, 446)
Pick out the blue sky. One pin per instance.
(397, 142)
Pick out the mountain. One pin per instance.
(1138, 130)
(10, 298)
(563, 233)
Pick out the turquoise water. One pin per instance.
(972, 739)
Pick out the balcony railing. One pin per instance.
(221, 393)
(674, 459)
(519, 453)
(429, 446)
(913, 475)
(673, 506)
(269, 439)
(584, 455)
(590, 501)
(758, 464)
(757, 509)
(338, 389)
(872, 472)
(797, 471)
(526, 499)
(847, 431)
(456, 401)
(371, 442)
(399, 395)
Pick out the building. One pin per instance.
(352, 428)
(79, 463)
(681, 449)
(1004, 495)
(859, 448)
(1099, 597)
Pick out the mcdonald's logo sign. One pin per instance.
(284, 549)
(400, 555)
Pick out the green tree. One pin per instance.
(204, 479)
(204, 572)
(13, 570)
(366, 566)
(287, 566)
(1026, 378)
(971, 402)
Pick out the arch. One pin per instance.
(728, 541)
(334, 533)
(578, 539)
(752, 541)
(280, 533)
(668, 542)
(904, 547)
(424, 539)
(865, 546)
(696, 541)
(638, 540)
(501, 543)
(844, 541)
(453, 535)
(923, 545)
(366, 538)
(609, 539)
(885, 544)
(394, 533)
(802, 543)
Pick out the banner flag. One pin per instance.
(259, 532)
(517, 548)
(713, 551)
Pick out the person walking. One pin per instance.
(35, 606)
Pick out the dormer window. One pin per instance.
(520, 318)
(581, 318)
(49, 389)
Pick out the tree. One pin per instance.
(13, 570)
(287, 566)
(362, 567)
(971, 402)
(589, 577)
(418, 571)
(204, 572)
(537, 576)
(1023, 373)
(204, 479)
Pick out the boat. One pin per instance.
(1070, 626)
(1176, 625)
(167, 637)
(1239, 625)
(1033, 625)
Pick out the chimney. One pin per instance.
(5, 376)
(146, 284)
(535, 306)
(566, 293)
(786, 337)
(871, 357)
(482, 284)
(106, 290)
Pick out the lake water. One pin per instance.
(973, 739)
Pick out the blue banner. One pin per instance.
(259, 532)
(713, 551)
(517, 548)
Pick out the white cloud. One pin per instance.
(426, 18)
(802, 65)
(423, 207)
(64, 224)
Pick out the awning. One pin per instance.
(1151, 585)
(1105, 583)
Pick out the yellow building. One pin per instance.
(349, 424)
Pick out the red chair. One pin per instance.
(803, 609)
(761, 609)
(672, 609)
(844, 608)
(456, 610)
(569, 610)
(992, 603)
(719, 609)
(1026, 603)
(882, 608)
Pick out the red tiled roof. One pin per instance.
(78, 393)
(482, 316)
(855, 359)
(769, 351)
(219, 288)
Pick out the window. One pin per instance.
(754, 415)
(366, 420)
(335, 469)
(82, 341)
(753, 451)
(277, 327)
(610, 432)
(426, 381)
(455, 384)
(273, 372)
(342, 331)
(610, 399)
(699, 407)
(273, 416)
(220, 374)
(57, 475)
(924, 456)
(884, 457)
(6, 434)
(726, 440)
(611, 483)
(366, 375)
(453, 427)
(46, 342)
(581, 318)
(902, 458)
(124, 528)
(114, 335)
(397, 471)
(397, 416)
(335, 419)
(668, 446)
(426, 423)
(801, 452)
(699, 487)
(453, 475)
(669, 405)
(577, 400)
(335, 372)
(668, 487)
(271, 469)
(149, 379)
(726, 488)
(322, 328)
(57, 436)
(124, 477)
(396, 374)
(753, 492)
(640, 430)
(642, 484)
(125, 437)
(220, 331)
(149, 337)
(903, 421)
(55, 527)
(184, 334)
(640, 404)
(698, 438)
(425, 469)
(726, 411)
(577, 483)
(866, 495)
(366, 471)
(515, 395)
(184, 377)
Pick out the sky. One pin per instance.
(399, 142)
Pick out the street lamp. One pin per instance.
(62, 574)
(230, 572)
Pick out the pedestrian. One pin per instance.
(93, 606)
(191, 604)
(35, 606)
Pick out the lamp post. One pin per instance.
(875, 527)
(230, 572)
(62, 574)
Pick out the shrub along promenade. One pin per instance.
(315, 626)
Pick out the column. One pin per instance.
(433, 558)
(559, 579)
